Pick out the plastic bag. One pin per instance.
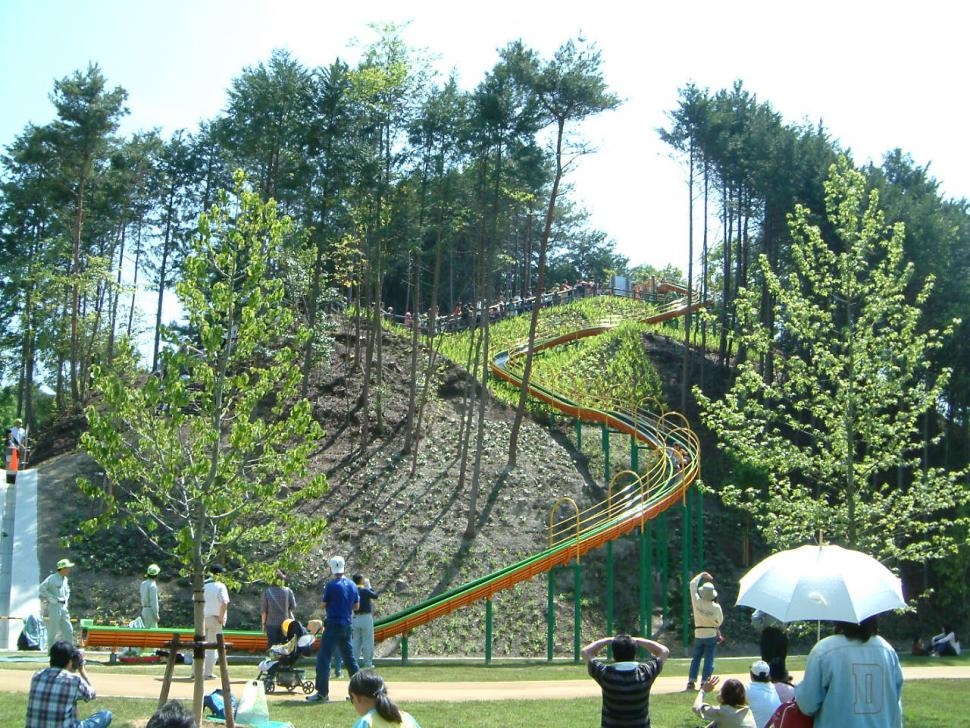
(253, 709)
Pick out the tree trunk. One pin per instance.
(162, 271)
(685, 367)
(540, 282)
(75, 275)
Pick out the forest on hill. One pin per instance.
(405, 192)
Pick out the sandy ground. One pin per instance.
(147, 686)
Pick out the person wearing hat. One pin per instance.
(216, 609)
(148, 592)
(339, 602)
(707, 621)
(55, 592)
(762, 697)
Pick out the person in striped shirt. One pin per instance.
(625, 682)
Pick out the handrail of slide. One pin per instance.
(664, 482)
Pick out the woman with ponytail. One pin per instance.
(369, 697)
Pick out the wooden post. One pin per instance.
(224, 674)
(173, 650)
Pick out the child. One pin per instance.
(733, 712)
(369, 697)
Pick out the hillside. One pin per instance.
(404, 532)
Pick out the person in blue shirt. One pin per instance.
(852, 680)
(340, 601)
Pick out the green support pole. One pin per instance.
(609, 591)
(579, 434)
(404, 650)
(578, 587)
(550, 616)
(606, 455)
(685, 568)
(488, 631)
(664, 557)
(634, 454)
(700, 529)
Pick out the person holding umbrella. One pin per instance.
(852, 680)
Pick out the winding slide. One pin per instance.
(674, 466)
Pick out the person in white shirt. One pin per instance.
(762, 697)
(215, 610)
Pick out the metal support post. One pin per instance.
(664, 557)
(577, 423)
(700, 529)
(609, 592)
(685, 568)
(606, 454)
(577, 612)
(550, 616)
(488, 631)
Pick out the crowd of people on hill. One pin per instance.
(466, 314)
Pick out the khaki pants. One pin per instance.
(213, 626)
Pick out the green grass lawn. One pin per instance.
(927, 704)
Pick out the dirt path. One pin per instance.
(147, 686)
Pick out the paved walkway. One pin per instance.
(148, 686)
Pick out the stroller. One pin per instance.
(279, 666)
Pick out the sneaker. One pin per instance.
(208, 677)
(317, 698)
(691, 686)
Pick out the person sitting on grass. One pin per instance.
(54, 692)
(626, 683)
(368, 694)
(761, 694)
(946, 644)
(733, 711)
(172, 715)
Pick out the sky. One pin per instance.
(880, 75)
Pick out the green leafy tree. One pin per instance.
(207, 458)
(837, 425)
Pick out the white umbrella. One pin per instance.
(821, 582)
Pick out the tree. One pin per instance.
(205, 457)
(569, 88)
(837, 423)
(88, 114)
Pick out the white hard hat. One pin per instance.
(337, 565)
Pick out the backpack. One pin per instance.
(787, 715)
(215, 702)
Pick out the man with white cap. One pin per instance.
(761, 694)
(55, 592)
(340, 600)
(148, 592)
